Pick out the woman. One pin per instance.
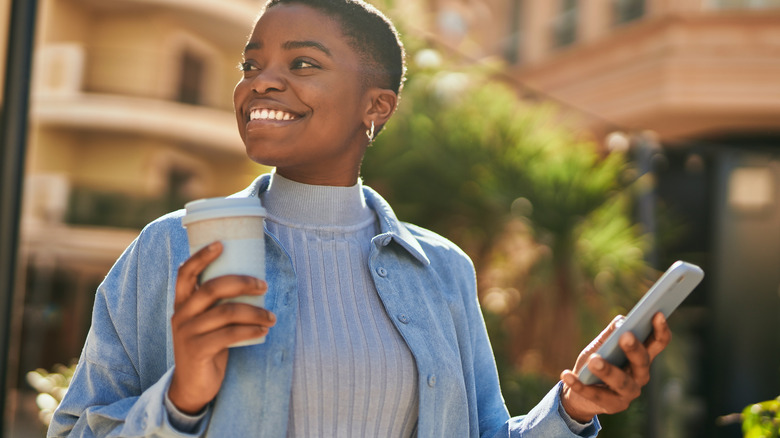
(373, 326)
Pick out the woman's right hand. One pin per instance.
(203, 330)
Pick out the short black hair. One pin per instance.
(370, 33)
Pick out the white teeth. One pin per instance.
(266, 114)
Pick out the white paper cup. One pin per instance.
(238, 224)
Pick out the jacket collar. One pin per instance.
(388, 222)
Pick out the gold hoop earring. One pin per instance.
(370, 134)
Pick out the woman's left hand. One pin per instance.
(621, 386)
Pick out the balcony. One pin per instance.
(59, 100)
(681, 75)
(218, 20)
(193, 126)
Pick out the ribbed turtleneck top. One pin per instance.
(353, 374)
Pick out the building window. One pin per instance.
(564, 29)
(194, 75)
(182, 186)
(628, 10)
(745, 4)
(191, 78)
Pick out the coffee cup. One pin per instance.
(238, 224)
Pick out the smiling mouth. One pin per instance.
(269, 114)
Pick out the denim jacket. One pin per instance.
(427, 286)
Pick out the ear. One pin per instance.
(381, 106)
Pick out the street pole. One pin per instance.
(13, 138)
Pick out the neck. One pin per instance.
(336, 174)
(313, 180)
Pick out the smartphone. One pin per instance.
(664, 296)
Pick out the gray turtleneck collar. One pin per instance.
(311, 205)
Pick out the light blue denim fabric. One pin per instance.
(428, 288)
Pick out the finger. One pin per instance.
(616, 379)
(602, 337)
(203, 348)
(660, 337)
(220, 288)
(596, 343)
(187, 277)
(600, 396)
(571, 379)
(638, 358)
(219, 340)
(227, 314)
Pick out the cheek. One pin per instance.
(321, 94)
(334, 103)
(239, 93)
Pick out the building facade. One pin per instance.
(131, 116)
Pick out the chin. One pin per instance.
(263, 157)
(263, 161)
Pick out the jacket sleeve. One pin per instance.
(114, 392)
(544, 420)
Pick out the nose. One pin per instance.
(267, 80)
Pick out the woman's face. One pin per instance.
(301, 105)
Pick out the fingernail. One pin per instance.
(597, 362)
(213, 246)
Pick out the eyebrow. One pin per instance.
(291, 45)
(252, 46)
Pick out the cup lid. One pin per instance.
(213, 208)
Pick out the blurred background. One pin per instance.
(574, 149)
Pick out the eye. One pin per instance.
(246, 66)
(300, 63)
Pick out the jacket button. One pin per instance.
(381, 271)
(403, 318)
(432, 380)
